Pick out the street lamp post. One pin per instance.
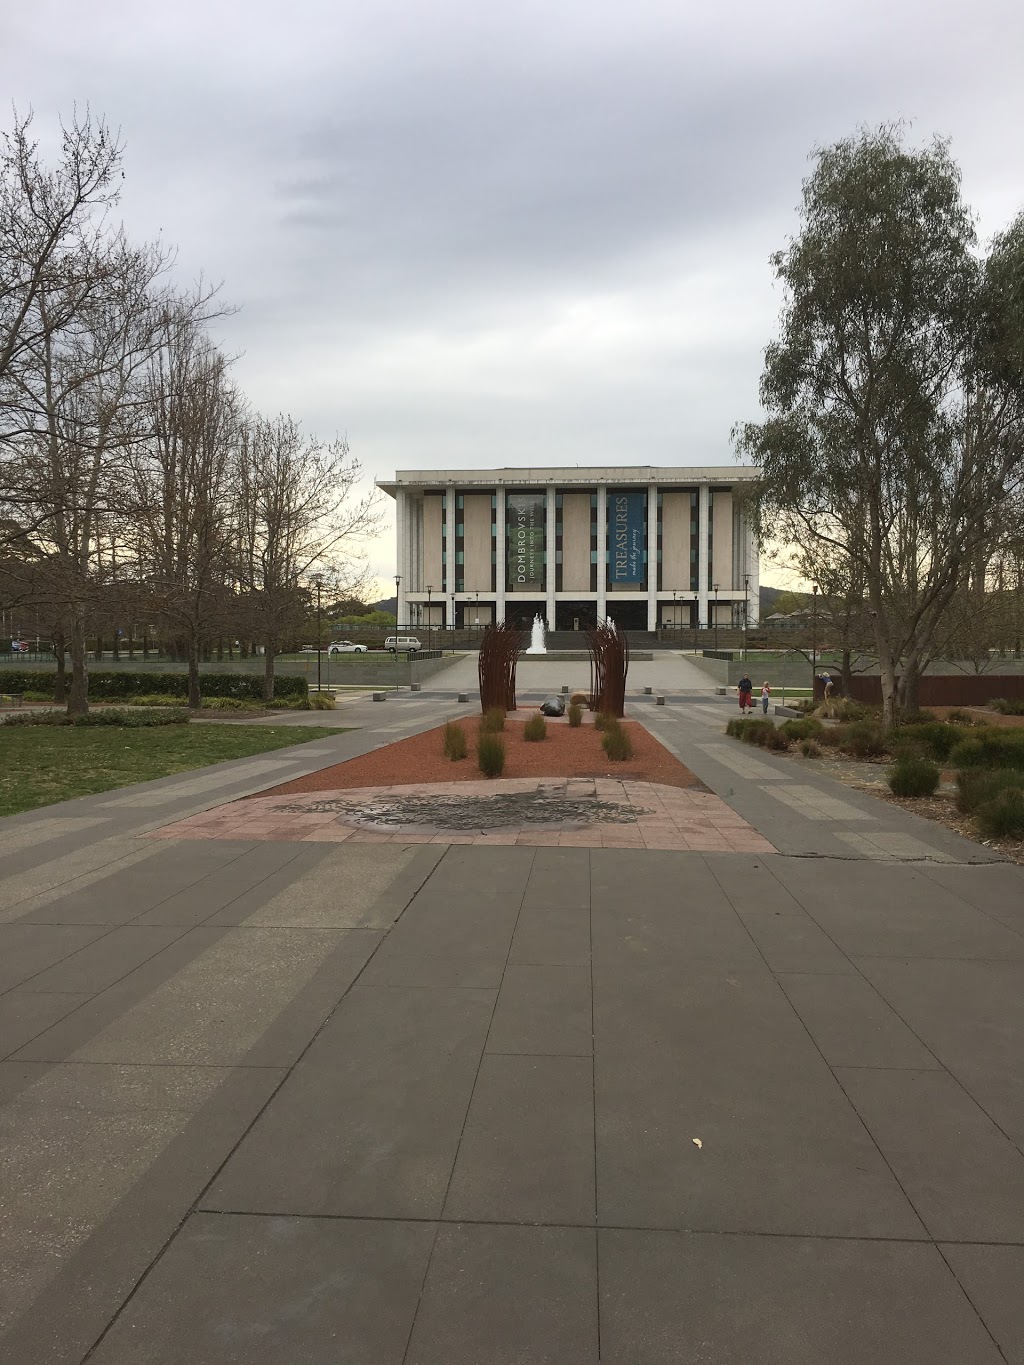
(398, 584)
(746, 611)
(452, 623)
(477, 622)
(430, 614)
(675, 613)
(715, 587)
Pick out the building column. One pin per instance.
(702, 555)
(499, 579)
(549, 554)
(451, 570)
(652, 556)
(602, 552)
(752, 563)
(402, 553)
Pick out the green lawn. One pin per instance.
(40, 765)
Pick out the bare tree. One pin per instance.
(183, 482)
(299, 509)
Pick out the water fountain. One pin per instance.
(537, 645)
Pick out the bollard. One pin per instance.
(463, 696)
(380, 696)
(565, 690)
(415, 687)
(648, 691)
(659, 701)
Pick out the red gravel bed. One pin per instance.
(566, 752)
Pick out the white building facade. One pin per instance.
(646, 545)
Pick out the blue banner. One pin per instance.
(626, 537)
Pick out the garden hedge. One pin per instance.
(122, 685)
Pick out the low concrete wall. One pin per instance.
(383, 672)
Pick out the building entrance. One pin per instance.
(575, 615)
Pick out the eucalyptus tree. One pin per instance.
(893, 392)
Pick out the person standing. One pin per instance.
(745, 688)
(766, 693)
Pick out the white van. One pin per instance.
(396, 644)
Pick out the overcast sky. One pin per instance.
(465, 234)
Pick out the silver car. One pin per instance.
(346, 647)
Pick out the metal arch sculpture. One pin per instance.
(500, 647)
(609, 664)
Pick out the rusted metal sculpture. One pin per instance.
(609, 664)
(500, 647)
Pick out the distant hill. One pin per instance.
(387, 604)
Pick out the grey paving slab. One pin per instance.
(997, 889)
(779, 1153)
(794, 943)
(971, 1016)
(508, 1295)
(99, 1172)
(852, 1024)
(368, 1124)
(993, 1278)
(27, 949)
(50, 881)
(749, 882)
(28, 833)
(559, 879)
(543, 1009)
(218, 1006)
(131, 891)
(26, 1014)
(471, 925)
(552, 935)
(105, 960)
(245, 875)
(387, 968)
(965, 1178)
(673, 1297)
(343, 888)
(682, 913)
(897, 911)
(527, 1152)
(288, 1290)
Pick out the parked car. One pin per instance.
(402, 643)
(346, 647)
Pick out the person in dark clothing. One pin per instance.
(745, 688)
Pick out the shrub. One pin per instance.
(535, 730)
(125, 685)
(990, 748)
(919, 717)
(810, 748)
(616, 743)
(490, 754)
(225, 704)
(842, 708)
(863, 739)
(575, 713)
(1003, 816)
(320, 701)
(832, 736)
(113, 715)
(935, 738)
(774, 740)
(958, 716)
(604, 721)
(455, 745)
(977, 786)
(493, 721)
(749, 730)
(807, 728)
(1008, 708)
(913, 777)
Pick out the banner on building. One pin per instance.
(626, 537)
(526, 537)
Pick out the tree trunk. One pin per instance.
(195, 699)
(145, 644)
(99, 648)
(78, 696)
(909, 688)
(268, 671)
(60, 684)
(847, 674)
(116, 651)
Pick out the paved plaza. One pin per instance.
(412, 1100)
